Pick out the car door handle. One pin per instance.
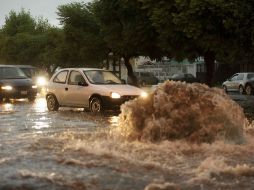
(66, 89)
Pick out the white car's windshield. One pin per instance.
(11, 73)
(102, 77)
(174, 76)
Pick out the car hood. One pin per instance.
(122, 89)
(16, 82)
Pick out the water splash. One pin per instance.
(162, 186)
(215, 166)
(176, 110)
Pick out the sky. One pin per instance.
(38, 8)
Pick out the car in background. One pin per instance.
(92, 88)
(241, 82)
(39, 77)
(146, 78)
(184, 77)
(14, 84)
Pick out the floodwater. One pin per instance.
(72, 149)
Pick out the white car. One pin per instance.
(241, 82)
(92, 88)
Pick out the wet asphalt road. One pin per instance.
(246, 102)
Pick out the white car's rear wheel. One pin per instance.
(52, 103)
(248, 90)
(96, 105)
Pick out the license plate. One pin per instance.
(23, 92)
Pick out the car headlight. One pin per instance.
(8, 88)
(115, 95)
(41, 81)
(144, 95)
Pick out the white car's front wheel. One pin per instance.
(95, 105)
(52, 103)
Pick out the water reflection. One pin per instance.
(7, 107)
(40, 105)
(113, 120)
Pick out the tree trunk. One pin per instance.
(131, 77)
(209, 59)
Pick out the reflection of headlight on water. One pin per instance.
(41, 81)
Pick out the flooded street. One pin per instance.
(72, 149)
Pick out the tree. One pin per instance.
(213, 29)
(126, 30)
(21, 22)
(25, 40)
(83, 42)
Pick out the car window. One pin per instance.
(75, 78)
(30, 72)
(174, 76)
(250, 75)
(61, 77)
(240, 76)
(190, 76)
(102, 77)
(11, 73)
(234, 77)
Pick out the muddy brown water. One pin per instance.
(72, 149)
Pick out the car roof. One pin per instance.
(84, 69)
(7, 66)
(245, 73)
(24, 66)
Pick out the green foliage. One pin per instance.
(18, 23)
(219, 30)
(24, 40)
(84, 45)
(193, 28)
(126, 28)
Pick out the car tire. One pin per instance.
(96, 105)
(31, 98)
(241, 90)
(52, 103)
(225, 88)
(248, 89)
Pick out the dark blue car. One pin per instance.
(14, 84)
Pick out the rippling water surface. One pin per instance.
(72, 149)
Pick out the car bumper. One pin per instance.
(110, 103)
(18, 93)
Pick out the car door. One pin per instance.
(232, 83)
(239, 81)
(77, 94)
(58, 86)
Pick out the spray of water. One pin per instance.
(177, 110)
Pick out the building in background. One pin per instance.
(165, 68)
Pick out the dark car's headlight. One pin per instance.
(7, 88)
